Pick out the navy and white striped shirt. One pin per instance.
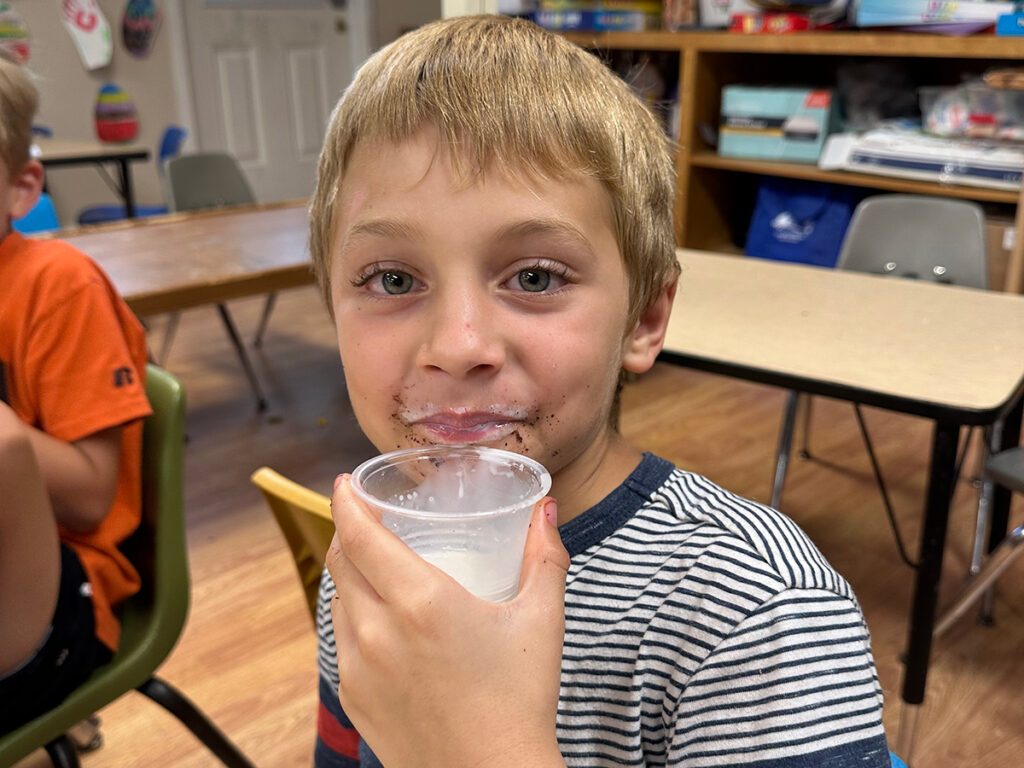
(702, 629)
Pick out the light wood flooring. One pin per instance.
(247, 656)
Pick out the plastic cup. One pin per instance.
(465, 509)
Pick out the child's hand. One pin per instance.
(433, 676)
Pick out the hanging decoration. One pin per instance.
(139, 25)
(14, 34)
(89, 30)
(116, 119)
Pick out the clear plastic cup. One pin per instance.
(465, 509)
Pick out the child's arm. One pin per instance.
(433, 676)
(81, 477)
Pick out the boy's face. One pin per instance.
(491, 312)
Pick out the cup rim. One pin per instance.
(449, 450)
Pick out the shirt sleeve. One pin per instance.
(80, 366)
(793, 686)
(337, 742)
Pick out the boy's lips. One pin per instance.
(460, 426)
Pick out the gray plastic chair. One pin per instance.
(915, 237)
(1006, 469)
(214, 180)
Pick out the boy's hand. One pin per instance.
(433, 676)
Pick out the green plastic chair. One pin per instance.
(153, 619)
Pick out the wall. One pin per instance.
(68, 92)
(394, 17)
(67, 97)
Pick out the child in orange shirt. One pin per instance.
(72, 399)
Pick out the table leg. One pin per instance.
(125, 177)
(945, 440)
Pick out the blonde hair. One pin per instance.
(18, 103)
(504, 93)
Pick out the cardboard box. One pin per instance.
(999, 235)
(769, 123)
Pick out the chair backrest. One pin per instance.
(206, 180)
(42, 217)
(170, 145)
(152, 619)
(920, 237)
(304, 517)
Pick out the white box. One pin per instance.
(718, 13)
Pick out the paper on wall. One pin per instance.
(89, 30)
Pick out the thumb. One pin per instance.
(545, 561)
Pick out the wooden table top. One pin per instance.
(870, 338)
(170, 263)
(79, 150)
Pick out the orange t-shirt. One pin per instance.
(73, 359)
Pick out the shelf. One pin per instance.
(813, 173)
(897, 44)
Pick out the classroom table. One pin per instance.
(183, 260)
(953, 355)
(54, 153)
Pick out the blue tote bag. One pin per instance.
(800, 221)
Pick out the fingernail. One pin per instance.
(338, 479)
(551, 512)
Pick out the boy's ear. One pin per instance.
(642, 346)
(25, 187)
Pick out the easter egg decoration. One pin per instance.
(116, 119)
(139, 25)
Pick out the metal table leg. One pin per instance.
(945, 439)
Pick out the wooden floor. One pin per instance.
(247, 657)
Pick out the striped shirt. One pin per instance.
(702, 629)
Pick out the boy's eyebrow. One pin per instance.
(549, 227)
(391, 229)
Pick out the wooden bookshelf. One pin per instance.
(715, 195)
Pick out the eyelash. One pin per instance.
(543, 265)
(553, 267)
(372, 271)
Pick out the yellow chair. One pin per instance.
(304, 517)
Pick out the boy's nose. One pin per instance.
(462, 337)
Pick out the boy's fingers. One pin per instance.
(545, 560)
(389, 567)
(350, 586)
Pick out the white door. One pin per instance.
(264, 77)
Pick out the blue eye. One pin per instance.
(396, 283)
(534, 280)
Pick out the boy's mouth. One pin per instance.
(463, 426)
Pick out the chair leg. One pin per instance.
(243, 356)
(264, 319)
(805, 427)
(785, 443)
(178, 705)
(1001, 558)
(62, 753)
(990, 437)
(169, 331)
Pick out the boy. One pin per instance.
(72, 396)
(492, 227)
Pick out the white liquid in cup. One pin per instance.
(463, 509)
(483, 574)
